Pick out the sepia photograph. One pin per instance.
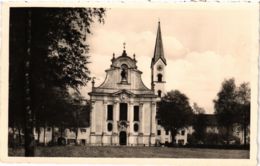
(132, 82)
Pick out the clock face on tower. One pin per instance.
(159, 67)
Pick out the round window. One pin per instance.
(109, 126)
(136, 127)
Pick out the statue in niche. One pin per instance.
(124, 73)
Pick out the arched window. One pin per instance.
(124, 68)
(159, 93)
(159, 77)
(109, 127)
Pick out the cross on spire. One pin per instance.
(124, 45)
(124, 52)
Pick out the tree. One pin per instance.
(243, 107)
(175, 112)
(199, 123)
(79, 107)
(225, 106)
(197, 109)
(232, 106)
(47, 49)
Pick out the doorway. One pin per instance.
(122, 138)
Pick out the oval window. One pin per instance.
(136, 127)
(109, 126)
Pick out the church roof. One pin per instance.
(158, 50)
(124, 58)
(115, 84)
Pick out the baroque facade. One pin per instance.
(123, 108)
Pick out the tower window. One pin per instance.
(159, 93)
(159, 77)
(136, 113)
(110, 112)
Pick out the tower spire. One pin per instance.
(158, 50)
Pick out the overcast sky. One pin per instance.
(202, 46)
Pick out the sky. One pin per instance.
(202, 46)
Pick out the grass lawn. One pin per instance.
(138, 152)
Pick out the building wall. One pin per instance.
(100, 135)
(181, 137)
(82, 138)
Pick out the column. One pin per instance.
(104, 124)
(141, 124)
(92, 117)
(153, 118)
(92, 124)
(130, 119)
(153, 123)
(115, 121)
(143, 118)
(130, 116)
(104, 118)
(115, 116)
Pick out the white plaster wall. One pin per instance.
(99, 110)
(147, 117)
(159, 86)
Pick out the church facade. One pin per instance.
(123, 108)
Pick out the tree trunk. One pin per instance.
(38, 134)
(76, 133)
(228, 133)
(77, 127)
(19, 136)
(52, 135)
(29, 136)
(44, 134)
(245, 133)
(60, 131)
(13, 137)
(173, 134)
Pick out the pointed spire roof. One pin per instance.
(158, 50)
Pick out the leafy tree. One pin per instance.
(199, 123)
(79, 113)
(197, 109)
(175, 112)
(232, 106)
(243, 108)
(225, 106)
(47, 50)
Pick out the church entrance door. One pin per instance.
(122, 138)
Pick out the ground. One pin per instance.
(145, 152)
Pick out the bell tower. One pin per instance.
(158, 65)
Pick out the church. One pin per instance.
(123, 108)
